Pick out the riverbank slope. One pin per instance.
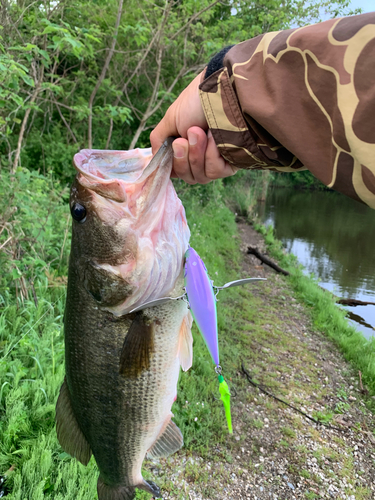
(275, 452)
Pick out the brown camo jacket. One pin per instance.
(301, 99)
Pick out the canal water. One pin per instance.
(334, 238)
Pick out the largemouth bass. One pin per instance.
(128, 242)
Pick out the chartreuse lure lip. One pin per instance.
(200, 293)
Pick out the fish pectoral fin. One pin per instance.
(169, 441)
(68, 431)
(138, 347)
(185, 347)
(110, 492)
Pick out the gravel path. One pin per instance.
(276, 453)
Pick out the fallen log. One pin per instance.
(266, 260)
(354, 302)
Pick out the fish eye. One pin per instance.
(78, 212)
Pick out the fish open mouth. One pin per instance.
(129, 194)
(106, 166)
(112, 173)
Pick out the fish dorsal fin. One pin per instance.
(138, 347)
(185, 347)
(169, 441)
(68, 431)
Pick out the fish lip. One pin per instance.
(84, 163)
(112, 173)
(158, 158)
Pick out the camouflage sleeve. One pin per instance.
(301, 99)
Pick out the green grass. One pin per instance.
(31, 339)
(288, 432)
(32, 351)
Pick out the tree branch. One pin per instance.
(104, 71)
(25, 119)
(149, 112)
(140, 62)
(65, 122)
(194, 17)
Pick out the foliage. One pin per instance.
(299, 180)
(34, 234)
(72, 77)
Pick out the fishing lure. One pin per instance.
(201, 295)
(202, 298)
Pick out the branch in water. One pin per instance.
(354, 302)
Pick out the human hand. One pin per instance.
(196, 156)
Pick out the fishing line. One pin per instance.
(258, 386)
(32, 327)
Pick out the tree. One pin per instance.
(80, 73)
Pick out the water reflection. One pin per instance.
(333, 237)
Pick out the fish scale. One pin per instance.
(121, 369)
(112, 410)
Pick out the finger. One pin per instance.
(156, 138)
(216, 166)
(197, 139)
(185, 112)
(181, 165)
(165, 128)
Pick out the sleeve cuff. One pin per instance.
(227, 123)
(242, 142)
(217, 62)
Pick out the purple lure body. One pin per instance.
(202, 301)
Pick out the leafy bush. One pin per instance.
(35, 233)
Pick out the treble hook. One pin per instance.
(232, 390)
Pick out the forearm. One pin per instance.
(302, 98)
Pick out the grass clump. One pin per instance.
(288, 432)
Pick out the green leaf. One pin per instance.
(44, 54)
(16, 98)
(16, 273)
(29, 81)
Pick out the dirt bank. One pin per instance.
(276, 453)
